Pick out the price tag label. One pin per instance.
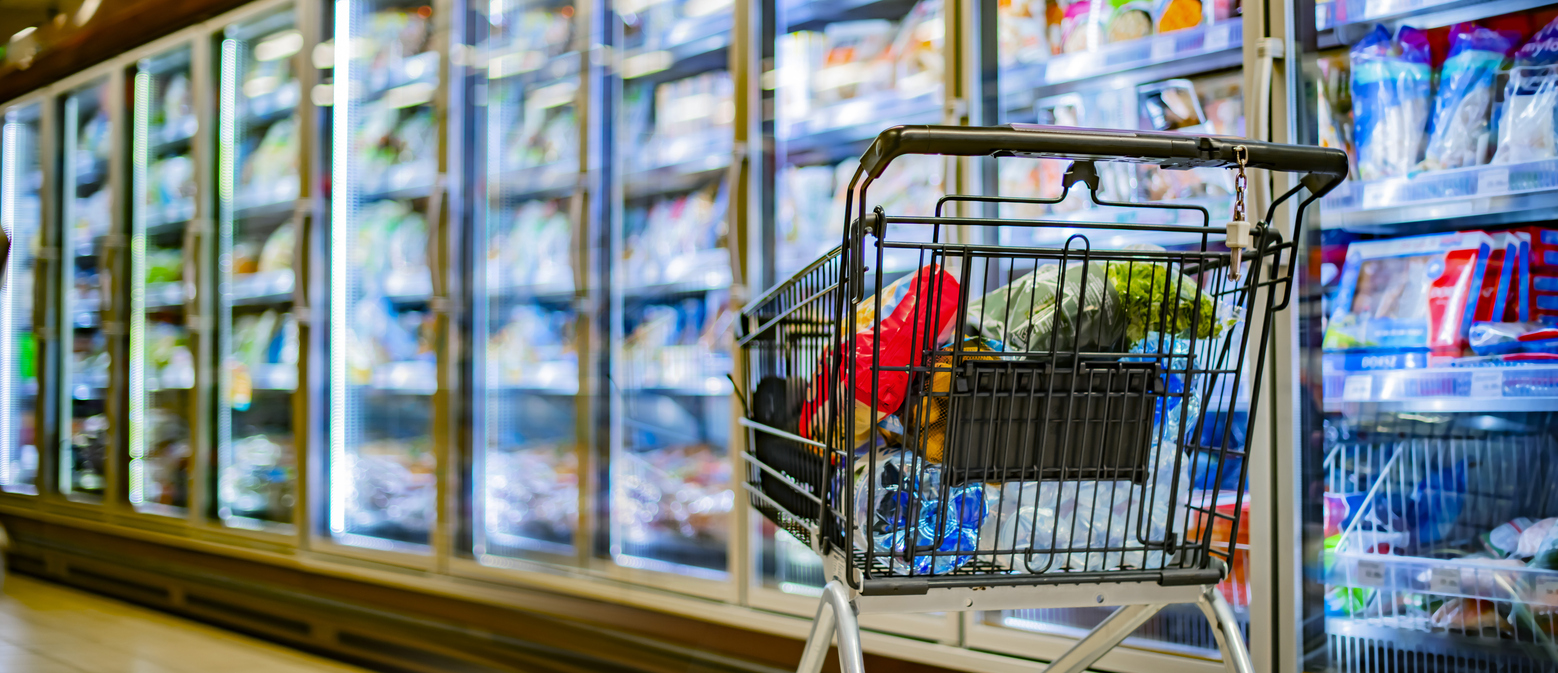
(1374, 196)
(1545, 592)
(1487, 384)
(1217, 38)
(1163, 48)
(1358, 388)
(1371, 574)
(1493, 182)
(1445, 581)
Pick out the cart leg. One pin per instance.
(1236, 656)
(835, 614)
(1103, 638)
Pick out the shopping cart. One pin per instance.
(955, 425)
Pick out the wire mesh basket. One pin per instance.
(1006, 415)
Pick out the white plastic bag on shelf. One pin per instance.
(1525, 120)
(1072, 516)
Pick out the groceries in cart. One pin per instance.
(1072, 307)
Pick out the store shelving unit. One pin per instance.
(1419, 456)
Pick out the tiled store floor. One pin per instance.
(47, 628)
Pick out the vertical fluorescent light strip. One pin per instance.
(9, 158)
(67, 451)
(340, 227)
(137, 283)
(226, 148)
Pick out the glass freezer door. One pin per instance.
(671, 317)
(21, 214)
(162, 282)
(87, 217)
(383, 368)
(1429, 393)
(258, 151)
(528, 280)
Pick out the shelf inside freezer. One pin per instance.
(170, 218)
(272, 106)
(843, 130)
(408, 378)
(403, 181)
(814, 14)
(1177, 53)
(539, 182)
(1445, 389)
(1496, 193)
(267, 287)
(165, 295)
(526, 67)
(691, 45)
(1365, 643)
(1340, 14)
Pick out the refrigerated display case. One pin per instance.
(1427, 391)
(529, 281)
(384, 190)
(161, 283)
(670, 493)
(21, 216)
(257, 333)
(89, 221)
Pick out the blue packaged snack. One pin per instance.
(1526, 130)
(1391, 92)
(1459, 127)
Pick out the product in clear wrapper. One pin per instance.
(1466, 614)
(1465, 98)
(1526, 130)
(1067, 517)
(899, 506)
(1532, 537)
(1413, 293)
(1392, 84)
(1502, 541)
(1499, 338)
(1131, 21)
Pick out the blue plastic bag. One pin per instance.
(1391, 90)
(906, 506)
(1466, 84)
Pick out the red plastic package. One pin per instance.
(919, 320)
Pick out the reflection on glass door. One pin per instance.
(528, 456)
(257, 331)
(162, 281)
(670, 493)
(383, 367)
(87, 215)
(21, 215)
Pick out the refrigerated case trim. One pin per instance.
(1360, 15)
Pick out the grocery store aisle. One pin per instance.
(47, 628)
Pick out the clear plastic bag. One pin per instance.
(1466, 85)
(1392, 84)
(1033, 518)
(1526, 129)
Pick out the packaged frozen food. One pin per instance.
(1532, 538)
(1525, 121)
(1021, 30)
(278, 250)
(903, 517)
(1132, 20)
(1079, 25)
(1175, 15)
(1502, 541)
(1391, 90)
(1334, 98)
(1499, 338)
(1413, 293)
(855, 61)
(1459, 135)
(919, 59)
(1466, 614)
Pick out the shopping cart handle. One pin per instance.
(1169, 150)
